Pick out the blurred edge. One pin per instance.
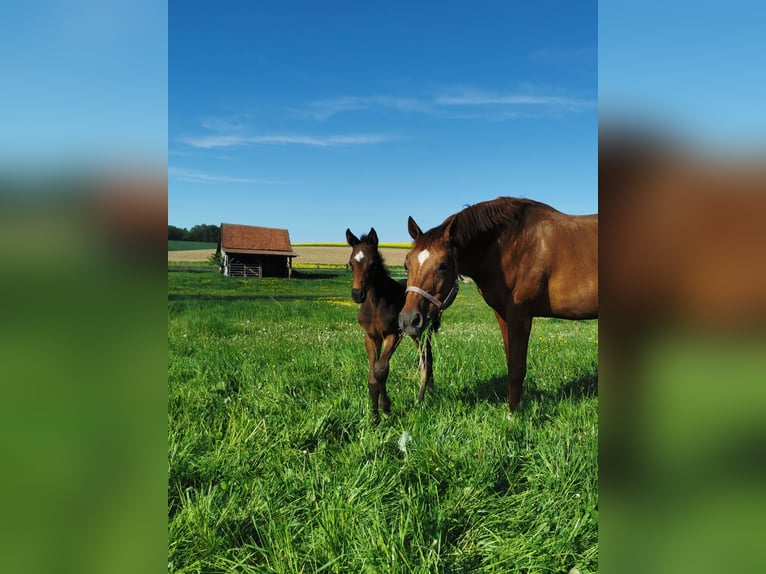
(83, 346)
(84, 361)
(682, 364)
(682, 354)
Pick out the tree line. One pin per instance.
(208, 233)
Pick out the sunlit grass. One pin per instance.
(274, 465)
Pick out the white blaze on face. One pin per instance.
(423, 255)
(359, 256)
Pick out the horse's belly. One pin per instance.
(576, 300)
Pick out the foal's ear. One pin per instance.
(413, 228)
(372, 236)
(351, 238)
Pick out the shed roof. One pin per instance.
(255, 240)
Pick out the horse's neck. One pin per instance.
(470, 263)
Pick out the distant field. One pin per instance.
(342, 244)
(338, 254)
(192, 256)
(190, 245)
(308, 255)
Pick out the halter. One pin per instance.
(441, 305)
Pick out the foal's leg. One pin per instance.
(426, 365)
(390, 342)
(372, 345)
(516, 339)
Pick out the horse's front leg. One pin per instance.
(516, 330)
(426, 365)
(372, 345)
(380, 370)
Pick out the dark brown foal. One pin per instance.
(381, 299)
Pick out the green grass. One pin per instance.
(189, 245)
(274, 465)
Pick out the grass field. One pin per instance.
(190, 245)
(274, 465)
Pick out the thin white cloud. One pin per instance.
(222, 141)
(326, 141)
(480, 98)
(324, 109)
(213, 141)
(456, 103)
(195, 176)
(522, 103)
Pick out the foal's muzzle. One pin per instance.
(358, 295)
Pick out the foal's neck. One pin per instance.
(381, 280)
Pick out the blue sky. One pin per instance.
(317, 116)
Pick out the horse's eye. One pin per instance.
(406, 266)
(442, 267)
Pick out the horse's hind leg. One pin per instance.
(426, 365)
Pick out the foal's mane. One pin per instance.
(487, 220)
(378, 259)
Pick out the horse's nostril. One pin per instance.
(417, 320)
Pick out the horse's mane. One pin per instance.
(487, 220)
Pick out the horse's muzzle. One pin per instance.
(358, 295)
(412, 323)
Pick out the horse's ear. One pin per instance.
(351, 238)
(414, 228)
(372, 236)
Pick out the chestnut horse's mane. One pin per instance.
(487, 220)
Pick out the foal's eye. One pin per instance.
(406, 266)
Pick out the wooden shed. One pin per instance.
(249, 251)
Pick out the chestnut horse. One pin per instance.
(381, 299)
(527, 260)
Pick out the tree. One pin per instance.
(204, 232)
(208, 233)
(177, 233)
